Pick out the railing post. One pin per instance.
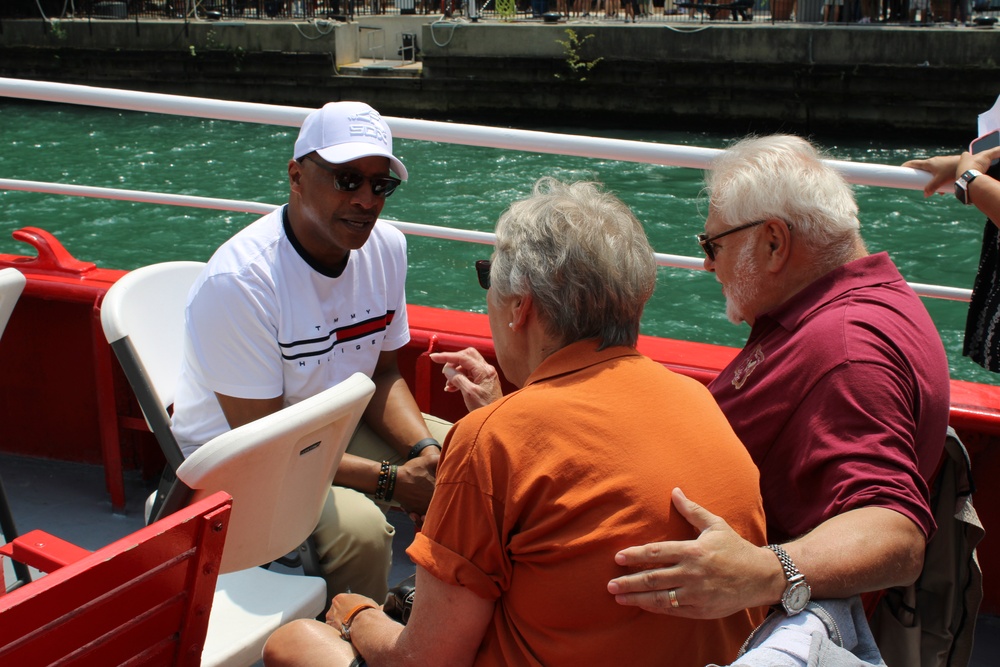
(422, 377)
(107, 413)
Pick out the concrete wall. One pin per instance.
(726, 42)
(830, 79)
(738, 76)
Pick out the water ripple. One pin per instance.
(932, 240)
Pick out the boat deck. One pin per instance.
(68, 500)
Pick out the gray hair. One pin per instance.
(783, 176)
(582, 256)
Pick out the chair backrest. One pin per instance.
(11, 285)
(143, 319)
(279, 470)
(143, 600)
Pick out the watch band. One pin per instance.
(797, 592)
(786, 561)
(345, 626)
(962, 185)
(420, 446)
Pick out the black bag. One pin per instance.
(399, 601)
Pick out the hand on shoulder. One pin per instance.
(713, 576)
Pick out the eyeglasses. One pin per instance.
(707, 242)
(483, 272)
(347, 180)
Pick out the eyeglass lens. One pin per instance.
(706, 241)
(483, 272)
(707, 246)
(346, 180)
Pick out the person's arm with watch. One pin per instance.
(966, 176)
(979, 189)
(446, 627)
(393, 414)
(413, 482)
(720, 573)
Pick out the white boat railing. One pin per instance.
(423, 130)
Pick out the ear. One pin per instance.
(521, 309)
(294, 175)
(778, 237)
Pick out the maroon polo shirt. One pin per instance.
(841, 395)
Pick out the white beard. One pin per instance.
(745, 286)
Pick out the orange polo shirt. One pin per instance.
(537, 492)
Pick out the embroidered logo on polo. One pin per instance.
(339, 338)
(748, 366)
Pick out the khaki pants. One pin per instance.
(353, 538)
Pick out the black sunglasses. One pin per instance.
(707, 242)
(483, 272)
(347, 180)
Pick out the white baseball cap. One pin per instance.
(344, 131)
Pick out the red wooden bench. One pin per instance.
(143, 600)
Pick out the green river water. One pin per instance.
(933, 241)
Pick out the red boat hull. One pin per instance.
(64, 397)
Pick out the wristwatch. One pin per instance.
(962, 185)
(345, 627)
(797, 592)
(420, 446)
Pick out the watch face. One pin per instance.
(962, 185)
(960, 192)
(797, 597)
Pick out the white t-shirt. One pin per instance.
(262, 322)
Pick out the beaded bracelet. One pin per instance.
(383, 481)
(391, 486)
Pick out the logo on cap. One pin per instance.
(368, 124)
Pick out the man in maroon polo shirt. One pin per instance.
(841, 396)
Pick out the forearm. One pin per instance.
(358, 473)
(985, 195)
(943, 170)
(378, 639)
(447, 624)
(862, 550)
(720, 573)
(393, 413)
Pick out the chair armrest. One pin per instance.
(42, 551)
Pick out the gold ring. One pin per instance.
(673, 599)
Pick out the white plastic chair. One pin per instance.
(11, 285)
(278, 470)
(143, 319)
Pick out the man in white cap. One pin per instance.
(300, 300)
